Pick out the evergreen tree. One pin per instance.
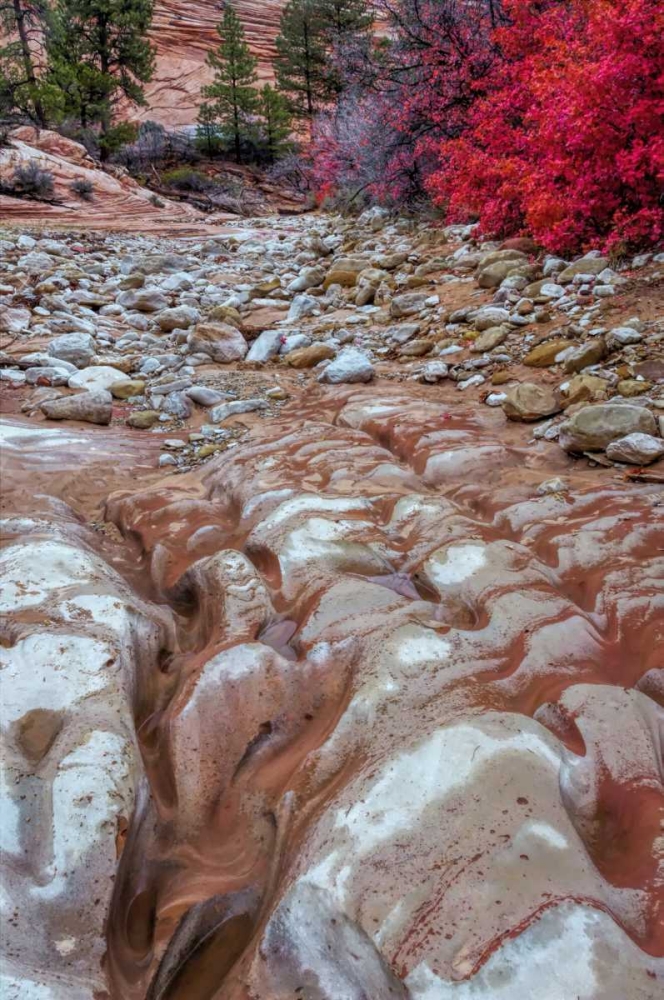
(344, 19)
(300, 61)
(100, 56)
(207, 130)
(232, 96)
(276, 122)
(21, 26)
(347, 33)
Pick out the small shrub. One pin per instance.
(184, 179)
(82, 188)
(154, 146)
(29, 180)
(156, 201)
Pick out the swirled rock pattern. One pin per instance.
(363, 698)
(411, 732)
(74, 635)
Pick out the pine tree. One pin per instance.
(232, 95)
(100, 56)
(343, 19)
(300, 60)
(21, 26)
(207, 130)
(346, 27)
(276, 122)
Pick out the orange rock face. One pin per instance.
(183, 33)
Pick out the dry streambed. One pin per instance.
(323, 689)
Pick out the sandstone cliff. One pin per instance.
(183, 33)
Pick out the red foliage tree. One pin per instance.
(404, 97)
(566, 140)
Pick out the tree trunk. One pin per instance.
(30, 75)
(104, 62)
(307, 72)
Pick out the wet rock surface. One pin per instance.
(318, 688)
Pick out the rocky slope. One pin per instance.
(183, 33)
(332, 616)
(115, 199)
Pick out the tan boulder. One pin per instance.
(345, 271)
(91, 407)
(545, 354)
(225, 314)
(416, 348)
(593, 427)
(587, 265)
(307, 357)
(589, 353)
(629, 387)
(585, 389)
(125, 388)
(224, 343)
(490, 338)
(502, 256)
(143, 419)
(528, 402)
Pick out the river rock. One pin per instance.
(155, 263)
(408, 304)
(621, 336)
(491, 338)
(179, 318)
(143, 419)
(95, 377)
(301, 306)
(307, 357)
(203, 396)
(494, 274)
(309, 277)
(266, 346)
(589, 353)
(47, 375)
(36, 262)
(636, 449)
(92, 407)
(126, 388)
(489, 317)
(433, 372)
(145, 300)
(416, 348)
(545, 354)
(227, 410)
(224, 343)
(586, 265)
(402, 333)
(170, 383)
(76, 348)
(595, 426)
(350, 366)
(631, 387)
(528, 402)
(294, 342)
(585, 388)
(14, 320)
(177, 405)
(345, 272)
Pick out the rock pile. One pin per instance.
(157, 323)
